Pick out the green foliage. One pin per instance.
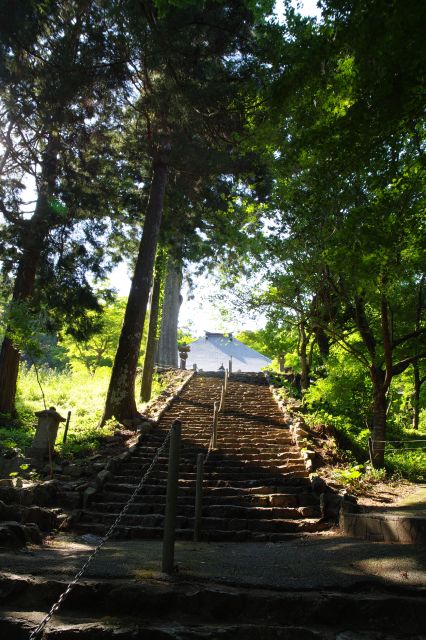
(185, 336)
(344, 391)
(99, 349)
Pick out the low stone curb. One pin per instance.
(384, 527)
(298, 429)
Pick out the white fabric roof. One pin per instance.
(215, 349)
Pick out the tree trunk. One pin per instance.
(120, 400)
(415, 398)
(34, 235)
(379, 416)
(151, 344)
(167, 353)
(303, 354)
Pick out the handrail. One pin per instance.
(201, 460)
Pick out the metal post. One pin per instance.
(230, 366)
(226, 380)
(67, 424)
(198, 497)
(171, 499)
(215, 420)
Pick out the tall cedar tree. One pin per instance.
(56, 77)
(195, 91)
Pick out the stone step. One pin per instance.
(218, 497)
(239, 480)
(213, 510)
(165, 610)
(188, 472)
(209, 523)
(207, 535)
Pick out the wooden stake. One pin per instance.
(171, 499)
(198, 497)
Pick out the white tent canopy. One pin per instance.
(214, 351)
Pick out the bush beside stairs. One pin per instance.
(256, 487)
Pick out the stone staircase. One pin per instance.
(255, 487)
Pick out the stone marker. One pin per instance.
(46, 432)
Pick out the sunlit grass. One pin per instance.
(72, 390)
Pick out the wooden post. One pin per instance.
(222, 400)
(226, 380)
(171, 499)
(198, 497)
(215, 420)
(371, 451)
(67, 424)
(230, 366)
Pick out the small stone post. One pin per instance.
(46, 432)
(198, 497)
(171, 499)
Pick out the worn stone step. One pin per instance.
(213, 510)
(209, 523)
(213, 535)
(220, 496)
(188, 472)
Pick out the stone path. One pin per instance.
(255, 484)
(327, 588)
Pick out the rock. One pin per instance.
(102, 477)
(45, 519)
(318, 484)
(14, 534)
(145, 427)
(90, 538)
(88, 495)
(330, 504)
(10, 537)
(56, 468)
(10, 511)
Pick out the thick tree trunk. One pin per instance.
(9, 354)
(34, 235)
(167, 352)
(120, 400)
(151, 344)
(379, 415)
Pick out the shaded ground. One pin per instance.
(316, 562)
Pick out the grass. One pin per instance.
(71, 390)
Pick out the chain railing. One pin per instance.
(36, 633)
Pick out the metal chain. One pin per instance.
(36, 632)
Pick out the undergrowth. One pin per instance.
(72, 390)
